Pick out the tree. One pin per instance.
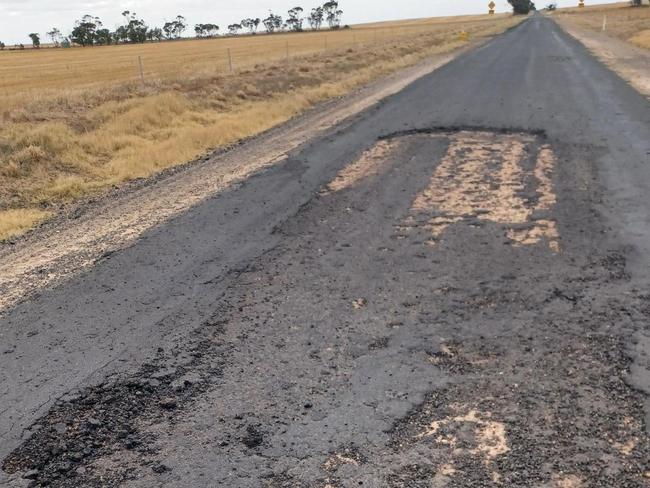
(272, 23)
(84, 30)
(211, 30)
(234, 28)
(247, 24)
(104, 37)
(522, 7)
(175, 28)
(36, 40)
(315, 18)
(120, 34)
(55, 36)
(636, 3)
(206, 30)
(332, 14)
(168, 29)
(135, 30)
(155, 34)
(180, 24)
(251, 24)
(551, 6)
(2, 46)
(294, 22)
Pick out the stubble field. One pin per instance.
(630, 24)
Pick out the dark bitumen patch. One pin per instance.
(522, 334)
(107, 418)
(552, 429)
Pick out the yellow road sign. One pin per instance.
(492, 5)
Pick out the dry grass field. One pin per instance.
(630, 24)
(76, 121)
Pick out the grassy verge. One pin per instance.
(629, 24)
(64, 143)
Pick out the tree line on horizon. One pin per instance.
(90, 31)
(524, 7)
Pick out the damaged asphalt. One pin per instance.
(452, 291)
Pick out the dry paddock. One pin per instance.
(620, 20)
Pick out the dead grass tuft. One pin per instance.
(17, 221)
(642, 39)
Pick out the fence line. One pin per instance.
(237, 53)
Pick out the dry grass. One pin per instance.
(630, 24)
(75, 121)
(642, 39)
(16, 221)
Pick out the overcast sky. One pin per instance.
(20, 17)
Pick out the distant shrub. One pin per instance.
(522, 7)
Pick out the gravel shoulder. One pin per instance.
(630, 62)
(88, 231)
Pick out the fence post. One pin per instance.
(287, 47)
(326, 43)
(230, 60)
(141, 69)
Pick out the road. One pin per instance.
(451, 291)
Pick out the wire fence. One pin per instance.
(34, 70)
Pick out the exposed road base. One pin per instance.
(432, 317)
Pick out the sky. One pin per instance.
(20, 17)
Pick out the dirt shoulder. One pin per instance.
(91, 230)
(629, 62)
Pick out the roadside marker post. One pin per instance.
(604, 22)
(230, 60)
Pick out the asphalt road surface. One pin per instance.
(452, 291)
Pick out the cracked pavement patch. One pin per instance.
(449, 291)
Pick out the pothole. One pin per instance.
(490, 177)
(368, 164)
(86, 435)
(485, 177)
